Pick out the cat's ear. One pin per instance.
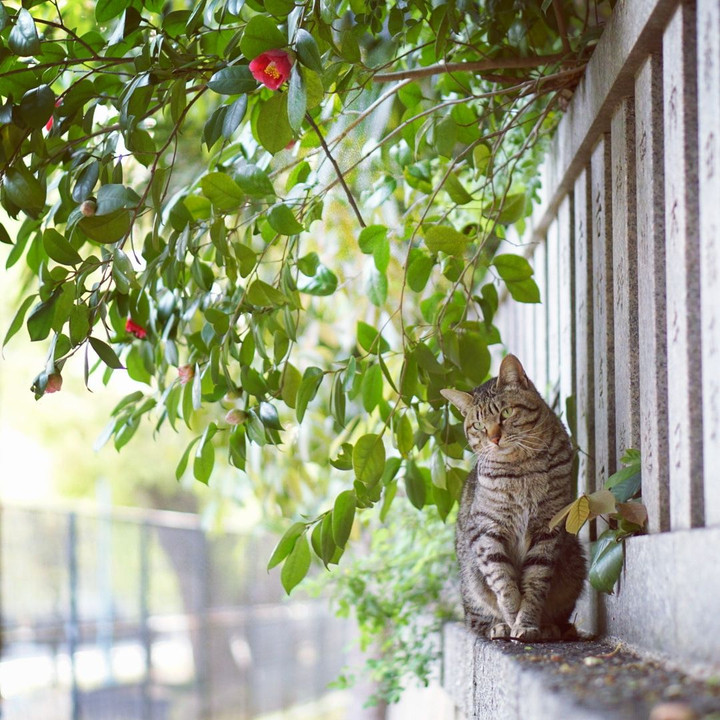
(461, 400)
(511, 372)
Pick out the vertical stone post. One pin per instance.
(708, 34)
(683, 270)
(651, 293)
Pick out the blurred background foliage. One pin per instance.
(274, 226)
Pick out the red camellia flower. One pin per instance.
(271, 68)
(137, 330)
(186, 374)
(54, 383)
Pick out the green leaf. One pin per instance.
(481, 157)
(59, 249)
(233, 117)
(404, 435)
(454, 188)
(204, 460)
(283, 221)
(511, 210)
(106, 353)
(24, 40)
(512, 267)
(40, 320)
(377, 287)
(370, 339)
(17, 321)
(307, 51)
(86, 182)
(369, 458)
(106, 228)
(440, 238)
(114, 196)
(235, 80)
(372, 387)
(625, 483)
(264, 295)
(286, 544)
(416, 486)
(24, 189)
(108, 9)
(418, 272)
(182, 465)
(254, 181)
(37, 106)
(343, 515)
(296, 565)
(312, 377)
(328, 548)
(526, 291)
(296, 99)
(261, 34)
(370, 236)
(222, 191)
(606, 562)
(323, 283)
(273, 126)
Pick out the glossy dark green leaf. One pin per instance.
(106, 353)
(40, 320)
(273, 126)
(107, 228)
(234, 80)
(233, 117)
(343, 515)
(24, 189)
(37, 106)
(606, 562)
(269, 416)
(261, 34)
(86, 181)
(23, 39)
(108, 9)
(416, 487)
(296, 99)
(307, 51)
(59, 249)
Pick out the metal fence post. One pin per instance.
(73, 630)
(145, 635)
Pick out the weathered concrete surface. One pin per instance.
(580, 680)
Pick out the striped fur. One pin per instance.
(518, 579)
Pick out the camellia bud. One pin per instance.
(186, 373)
(88, 208)
(54, 383)
(235, 417)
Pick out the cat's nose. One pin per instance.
(494, 438)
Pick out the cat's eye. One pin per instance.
(507, 412)
(478, 426)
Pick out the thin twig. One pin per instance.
(476, 66)
(339, 173)
(562, 25)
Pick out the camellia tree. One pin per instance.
(283, 218)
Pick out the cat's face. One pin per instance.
(503, 417)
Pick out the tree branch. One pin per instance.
(562, 25)
(339, 173)
(477, 66)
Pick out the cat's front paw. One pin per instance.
(499, 631)
(526, 633)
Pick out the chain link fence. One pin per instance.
(147, 617)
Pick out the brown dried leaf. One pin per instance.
(633, 512)
(602, 502)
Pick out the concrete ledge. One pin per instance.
(587, 680)
(667, 601)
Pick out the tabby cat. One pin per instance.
(518, 578)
